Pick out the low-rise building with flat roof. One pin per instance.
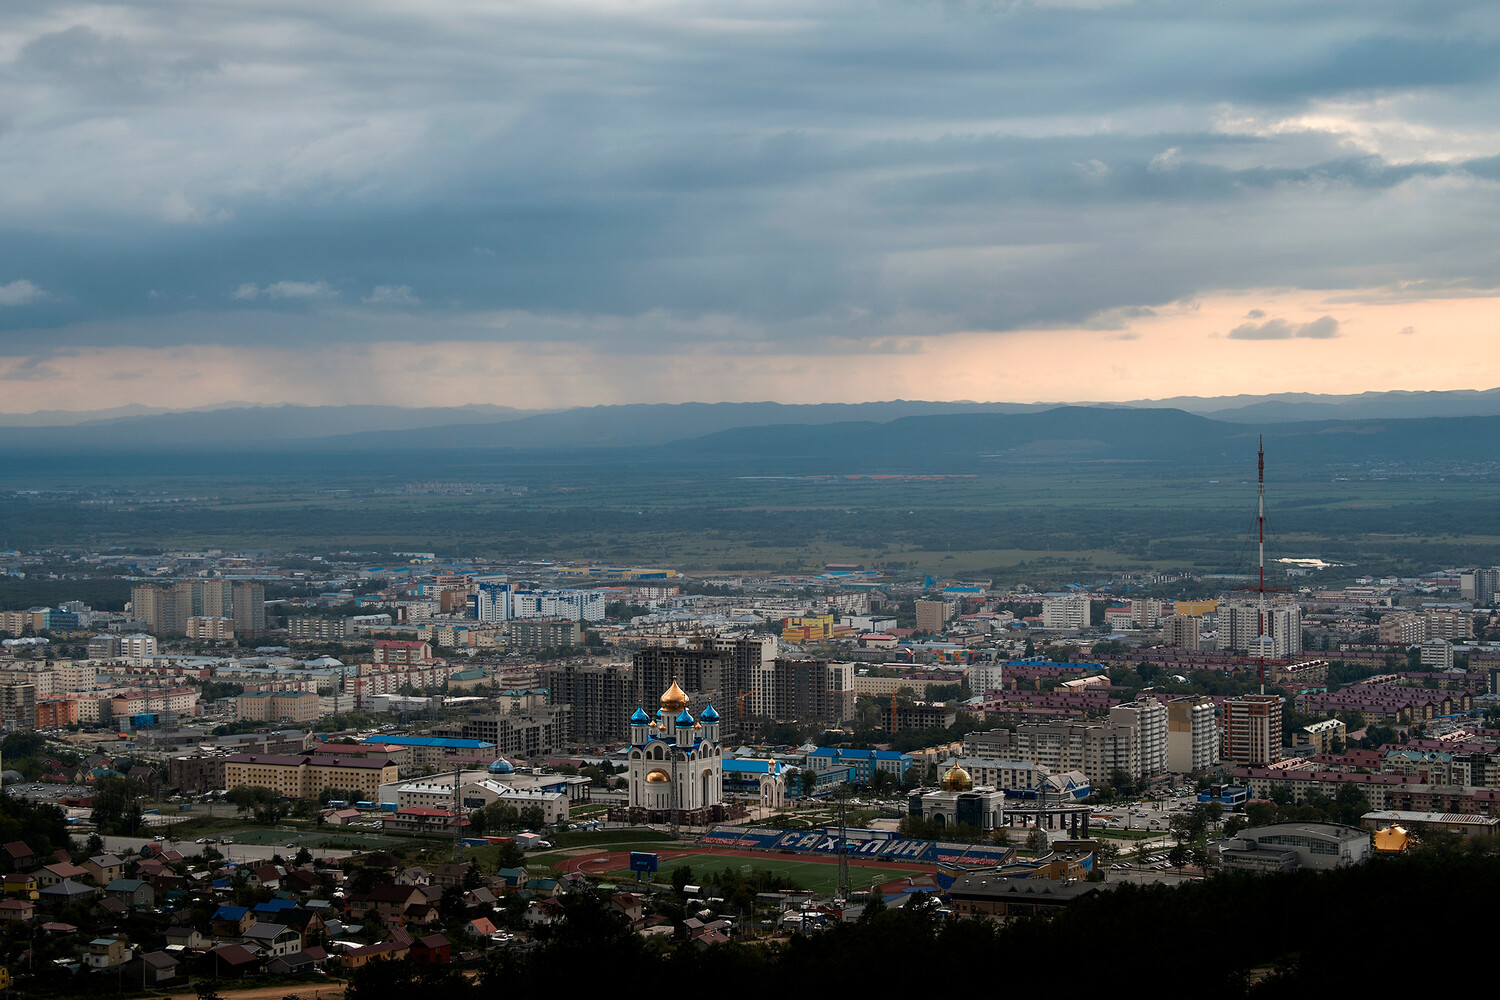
(1286, 847)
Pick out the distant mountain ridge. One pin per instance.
(372, 427)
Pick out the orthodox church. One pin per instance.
(676, 763)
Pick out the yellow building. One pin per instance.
(1195, 609)
(303, 777)
(813, 628)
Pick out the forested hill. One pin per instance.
(950, 441)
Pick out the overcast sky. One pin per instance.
(538, 204)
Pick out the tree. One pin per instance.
(117, 806)
(500, 817)
(1350, 804)
(682, 875)
(532, 817)
(303, 856)
(809, 782)
(1260, 813)
(1037, 842)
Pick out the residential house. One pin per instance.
(543, 912)
(17, 856)
(67, 893)
(58, 872)
(232, 961)
(388, 901)
(273, 940)
(133, 892)
(266, 876)
(157, 968)
(630, 905)
(23, 910)
(21, 886)
(515, 878)
(106, 953)
(104, 868)
(434, 948)
(186, 937)
(481, 927)
(232, 921)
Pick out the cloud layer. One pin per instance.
(770, 176)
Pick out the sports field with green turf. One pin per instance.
(811, 875)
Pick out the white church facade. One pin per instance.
(676, 764)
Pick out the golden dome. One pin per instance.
(956, 779)
(658, 777)
(1392, 840)
(674, 698)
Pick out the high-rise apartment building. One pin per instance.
(1066, 611)
(248, 608)
(18, 706)
(536, 732)
(1436, 654)
(601, 696)
(1147, 720)
(1252, 729)
(735, 674)
(166, 610)
(1449, 625)
(808, 690)
(1146, 611)
(1181, 632)
(1404, 628)
(1097, 751)
(1192, 735)
(577, 605)
(1271, 628)
(932, 616)
(1479, 586)
(985, 677)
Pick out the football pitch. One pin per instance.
(811, 875)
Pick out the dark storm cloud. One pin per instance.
(790, 170)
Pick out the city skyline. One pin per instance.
(594, 202)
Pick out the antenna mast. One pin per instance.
(1260, 524)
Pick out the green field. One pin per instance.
(809, 875)
(1017, 524)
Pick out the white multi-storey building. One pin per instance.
(1146, 611)
(491, 602)
(1192, 735)
(985, 677)
(575, 605)
(1097, 751)
(1271, 628)
(138, 646)
(1437, 654)
(1066, 611)
(1147, 719)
